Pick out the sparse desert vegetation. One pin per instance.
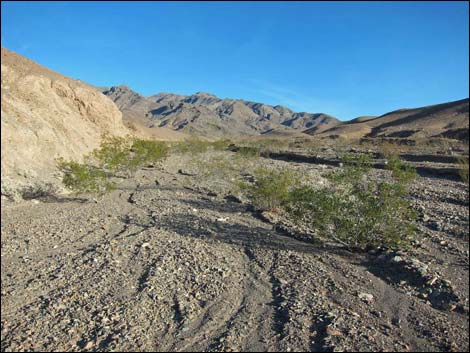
(314, 199)
(463, 165)
(369, 234)
(116, 156)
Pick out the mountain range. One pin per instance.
(46, 115)
(207, 115)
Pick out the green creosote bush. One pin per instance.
(401, 172)
(248, 152)
(84, 178)
(145, 152)
(356, 210)
(463, 169)
(192, 145)
(266, 145)
(127, 155)
(224, 165)
(221, 144)
(271, 189)
(115, 155)
(219, 166)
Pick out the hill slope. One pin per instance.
(442, 120)
(46, 115)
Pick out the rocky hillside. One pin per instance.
(450, 120)
(46, 115)
(207, 115)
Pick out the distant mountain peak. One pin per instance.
(204, 94)
(206, 114)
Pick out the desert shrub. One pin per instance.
(38, 190)
(113, 154)
(463, 169)
(272, 144)
(271, 188)
(192, 145)
(84, 178)
(126, 155)
(248, 152)
(131, 126)
(403, 173)
(389, 149)
(355, 166)
(218, 166)
(144, 152)
(221, 171)
(221, 144)
(264, 145)
(356, 210)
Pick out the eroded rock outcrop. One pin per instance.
(46, 115)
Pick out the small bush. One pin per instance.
(144, 152)
(271, 144)
(115, 155)
(131, 126)
(356, 210)
(463, 169)
(248, 152)
(355, 166)
(266, 144)
(270, 191)
(38, 190)
(221, 145)
(192, 145)
(219, 166)
(403, 173)
(127, 155)
(389, 149)
(83, 178)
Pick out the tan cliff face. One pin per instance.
(44, 116)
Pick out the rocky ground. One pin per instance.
(170, 262)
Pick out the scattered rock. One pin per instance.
(233, 198)
(89, 345)
(331, 331)
(396, 259)
(366, 297)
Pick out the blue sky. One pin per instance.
(345, 59)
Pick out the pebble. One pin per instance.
(366, 297)
(89, 345)
(396, 259)
(331, 331)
